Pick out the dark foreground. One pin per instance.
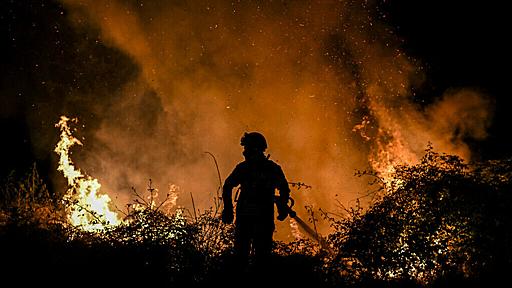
(32, 257)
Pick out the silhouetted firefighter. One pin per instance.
(258, 178)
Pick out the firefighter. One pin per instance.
(258, 178)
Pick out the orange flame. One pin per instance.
(88, 209)
(294, 226)
(390, 153)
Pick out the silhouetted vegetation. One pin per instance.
(438, 223)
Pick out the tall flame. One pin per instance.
(88, 209)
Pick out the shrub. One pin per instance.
(437, 218)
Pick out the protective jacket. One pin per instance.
(258, 180)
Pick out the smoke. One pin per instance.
(326, 82)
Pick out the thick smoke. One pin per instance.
(325, 82)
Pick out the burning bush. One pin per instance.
(434, 220)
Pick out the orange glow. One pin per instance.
(326, 82)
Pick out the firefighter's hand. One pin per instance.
(227, 215)
(282, 215)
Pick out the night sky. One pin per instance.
(462, 43)
(46, 69)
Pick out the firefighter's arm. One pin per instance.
(227, 212)
(284, 196)
(227, 191)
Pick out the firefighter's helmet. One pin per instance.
(254, 140)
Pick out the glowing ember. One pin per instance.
(295, 229)
(87, 209)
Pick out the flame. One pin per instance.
(389, 152)
(295, 229)
(87, 209)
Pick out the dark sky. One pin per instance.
(47, 67)
(459, 43)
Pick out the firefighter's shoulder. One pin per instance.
(273, 164)
(241, 166)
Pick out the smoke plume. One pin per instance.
(326, 82)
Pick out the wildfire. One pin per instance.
(87, 209)
(390, 151)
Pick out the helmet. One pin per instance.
(254, 140)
